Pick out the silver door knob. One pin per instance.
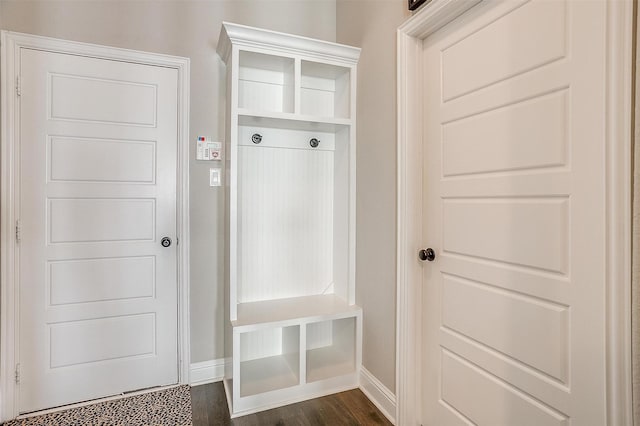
(166, 242)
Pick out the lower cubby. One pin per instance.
(330, 349)
(269, 360)
(280, 363)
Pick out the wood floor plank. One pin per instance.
(349, 408)
(363, 410)
(200, 414)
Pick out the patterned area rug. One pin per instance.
(163, 408)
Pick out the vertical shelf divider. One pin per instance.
(303, 354)
(297, 84)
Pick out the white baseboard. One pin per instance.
(207, 372)
(379, 394)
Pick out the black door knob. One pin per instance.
(427, 254)
(166, 242)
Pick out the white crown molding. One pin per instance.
(242, 35)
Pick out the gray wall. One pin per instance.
(372, 25)
(183, 28)
(191, 28)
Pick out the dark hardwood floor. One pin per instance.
(209, 406)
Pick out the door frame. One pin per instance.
(619, 99)
(10, 45)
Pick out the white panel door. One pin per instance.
(514, 302)
(98, 291)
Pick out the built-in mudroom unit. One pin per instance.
(293, 329)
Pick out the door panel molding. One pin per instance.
(409, 228)
(10, 45)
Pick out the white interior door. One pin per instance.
(514, 148)
(98, 291)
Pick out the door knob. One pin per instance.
(166, 242)
(427, 254)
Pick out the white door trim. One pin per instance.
(619, 175)
(618, 209)
(10, 43)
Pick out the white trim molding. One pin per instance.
(619, 178)
(618, 204)
(8, 315)
(379, 394)
(409, 231)
(207, 372)
(409, 165)
(242, 35)
(10, 45)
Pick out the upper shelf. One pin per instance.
(279, 84)
(291, 121)
(266, 82)
(325, 90)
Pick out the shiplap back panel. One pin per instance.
(341, 199)
(285, 228)
(265, 82)
(324, 90)
(261, 96)
(260, 344)
(319, 334)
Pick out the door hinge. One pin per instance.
(18, 86)
(18, 230)
(17, 373)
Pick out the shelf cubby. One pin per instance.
(331, 349)
(269, 359)
(265, 82)
(325, 90)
